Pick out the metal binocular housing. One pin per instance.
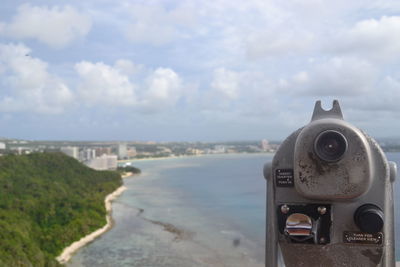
(329, 197)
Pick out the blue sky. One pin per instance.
(195, 70)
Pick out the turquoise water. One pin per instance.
(194, 211)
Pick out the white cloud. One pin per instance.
(27, 84)
(376, 39)
(305, 50)
(156, 25)
(127, 67)
(339, 76)
(118, 85)
(300, 78)
(103, 84)
(226, 82)
(384, 99)
(270, 43)
(243, 93)
(163, 89)
(56, 26)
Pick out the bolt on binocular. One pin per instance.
(329, 197)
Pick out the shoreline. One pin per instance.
(127, 174)
(189, 156)
(67, 253)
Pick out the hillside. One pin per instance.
(47, 201)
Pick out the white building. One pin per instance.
(122, 151)
(71, 151)
(112, 162)
(265, 146)
(90, 154)
(104, 162)
(219, 149)
(2, 145)
(81, 155)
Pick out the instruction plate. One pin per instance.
(284, 177)
(363, 238)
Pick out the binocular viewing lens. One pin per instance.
(330, 146)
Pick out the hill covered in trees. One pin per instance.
(48, 201)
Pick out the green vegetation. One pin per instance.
(131, 169)
(48, 201)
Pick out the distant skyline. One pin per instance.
(180, 70)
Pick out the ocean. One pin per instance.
(191, 211)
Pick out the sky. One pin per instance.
(191, 70)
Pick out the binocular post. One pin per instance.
(329, 197)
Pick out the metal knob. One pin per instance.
(298, 225)
(369, 218)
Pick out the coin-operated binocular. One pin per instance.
(329, 197)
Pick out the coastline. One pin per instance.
(126, 174)
(67, 253)
(154, 158)
(189, 156)
(111, 242)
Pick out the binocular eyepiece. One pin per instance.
(330, 146)
(329, 197)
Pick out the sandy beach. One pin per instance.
(127, 174)
(70, 250)
(154, 158)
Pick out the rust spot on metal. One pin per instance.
(304, 174)
(317, 163)
(302, 178)
(302, 165)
